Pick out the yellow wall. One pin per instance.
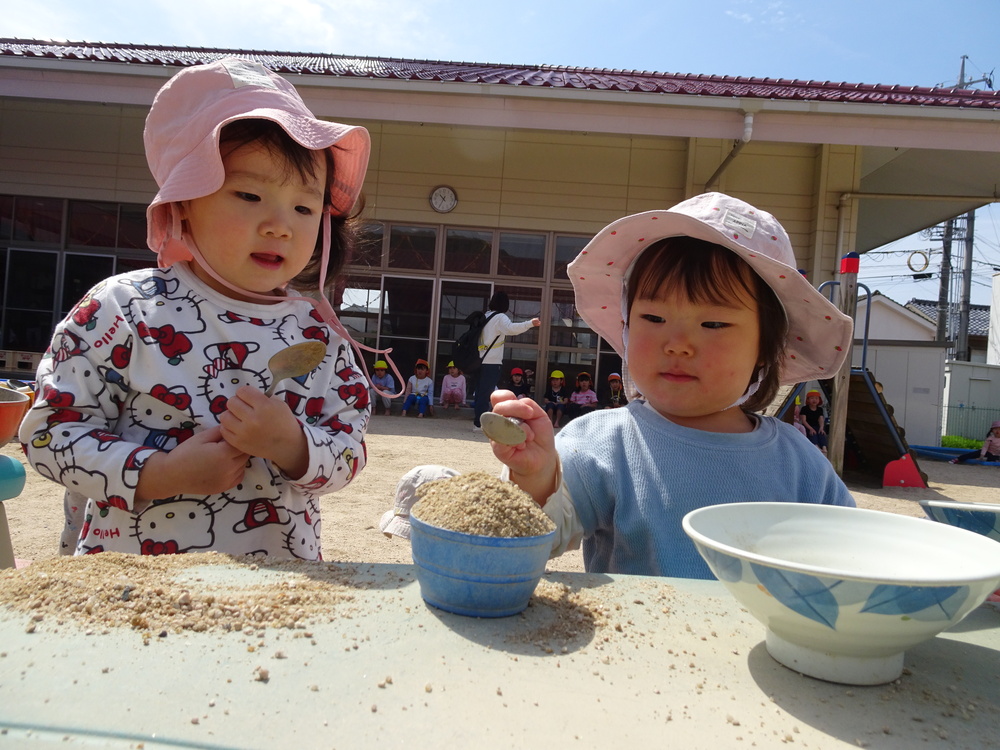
(510, 179)
(73, 151)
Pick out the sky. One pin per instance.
(906, 42)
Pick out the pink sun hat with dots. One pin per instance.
(819, 335)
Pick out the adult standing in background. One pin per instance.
(491, 342)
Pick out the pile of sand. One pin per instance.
(483, 504)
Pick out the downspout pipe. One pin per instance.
(737, 147)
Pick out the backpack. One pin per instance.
(465, 351)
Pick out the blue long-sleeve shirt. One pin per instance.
(632, 475)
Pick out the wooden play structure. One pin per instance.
(875, 445)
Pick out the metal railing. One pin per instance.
(971, 422)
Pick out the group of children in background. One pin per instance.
(561, 402)
(419, 390)
(558, 401)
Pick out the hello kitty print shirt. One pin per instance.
(151, 357)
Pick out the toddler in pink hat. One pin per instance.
(705, 306)
(152, 408)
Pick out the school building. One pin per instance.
(482, 178)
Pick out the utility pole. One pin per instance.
(962, 352)
(944, 289)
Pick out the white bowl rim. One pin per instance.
(970, 537)
(990, 507)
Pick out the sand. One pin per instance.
(479, 502)
(397, 444)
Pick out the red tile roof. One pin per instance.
(514, 75)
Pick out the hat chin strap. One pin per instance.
(322, 304)
(751, 390)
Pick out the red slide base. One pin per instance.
(902, 473)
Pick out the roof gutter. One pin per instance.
(737, 147)
(617, 97)
(847, 198)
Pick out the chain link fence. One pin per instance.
(971, 422)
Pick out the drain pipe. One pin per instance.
(737, 147)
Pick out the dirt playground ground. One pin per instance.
(397, 444)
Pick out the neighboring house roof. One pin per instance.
(877, 295)
(888, 319)
(979, 315)
(516, 75)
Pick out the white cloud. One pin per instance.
(399, 28)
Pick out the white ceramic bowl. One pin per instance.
(982, 518)
(843, 592)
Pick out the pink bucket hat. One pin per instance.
(819, 335)
(182, 140)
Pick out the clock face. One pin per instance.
(443, 199)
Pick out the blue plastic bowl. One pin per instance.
(477, 576)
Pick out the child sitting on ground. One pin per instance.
(556, 397)
(617, 397)
(453, 388)
(529, 378)
(583, 400)
(796, 414)
(990, 450)
(811, 417)
(705, 306)
(384, 381)
(518, 385)
(419, 389)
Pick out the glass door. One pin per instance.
(459, 299)
(405, 323)
(30, 299)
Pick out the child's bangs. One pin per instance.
(705, 273)
(298, 160)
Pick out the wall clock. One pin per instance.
(443, 199)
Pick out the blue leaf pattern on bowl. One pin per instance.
(971, 520)
(808, 595)
(726, 567)
(927, 603)
(852, 593)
